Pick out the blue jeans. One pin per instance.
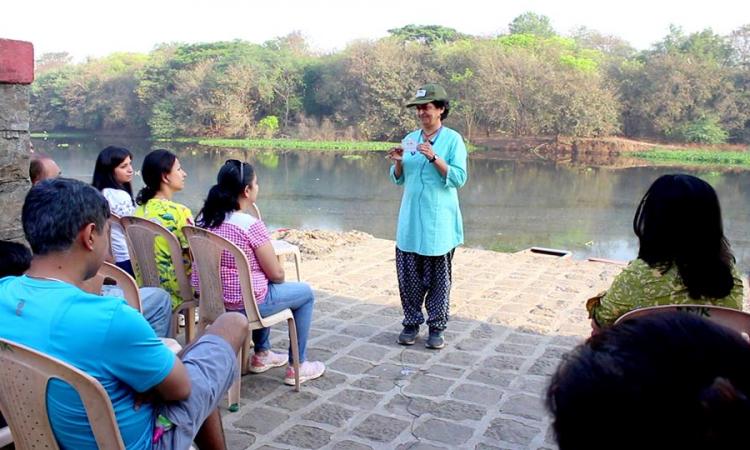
(299, 298)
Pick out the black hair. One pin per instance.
(104, 169)
(443, 104)
(669, 380)
(55, 210)
(678, 221)
(223, 197)
(15, 258)
(155, 165)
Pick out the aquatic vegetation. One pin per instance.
(697, 156)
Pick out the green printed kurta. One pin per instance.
(172, 216)
(640, 285)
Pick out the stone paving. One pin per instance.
(512, 317)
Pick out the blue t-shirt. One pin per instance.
(101, 336)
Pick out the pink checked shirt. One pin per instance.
(248, 233)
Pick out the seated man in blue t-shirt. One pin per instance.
(65, 222)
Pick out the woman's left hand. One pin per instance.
(425, 148)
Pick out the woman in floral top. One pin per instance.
(684, 257)
(163, 177)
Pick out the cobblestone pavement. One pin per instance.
(512, 318)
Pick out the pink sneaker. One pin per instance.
(308, 370)
(261, 363)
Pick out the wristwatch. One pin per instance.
(432, 160)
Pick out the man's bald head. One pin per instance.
(42, 168)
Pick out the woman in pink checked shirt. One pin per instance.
(235, 191)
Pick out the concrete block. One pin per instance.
(16, 62)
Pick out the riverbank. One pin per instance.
(613, 151)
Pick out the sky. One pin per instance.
(97, 28)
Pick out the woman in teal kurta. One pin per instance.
(431, 166)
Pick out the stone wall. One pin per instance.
(16, 74)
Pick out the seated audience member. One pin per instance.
(113, 173)
(235, 191)
(42, 167)
(15, 259)
(65, 221)
(683, 256)
(663, 381)
(163, 177)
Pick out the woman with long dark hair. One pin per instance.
(113, 174)
(684, 256)
(235, 191)
(163, 177)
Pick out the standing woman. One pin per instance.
(235, 191)
(113, 174)
(429, 221)
(163, 177)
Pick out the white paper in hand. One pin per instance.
(409, 145)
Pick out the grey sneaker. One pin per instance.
(409, 335)
(436, 339)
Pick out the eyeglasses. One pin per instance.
(241, 166)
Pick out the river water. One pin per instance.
(507, 205)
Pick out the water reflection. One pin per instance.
(507, 205)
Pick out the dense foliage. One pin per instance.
(531, 81)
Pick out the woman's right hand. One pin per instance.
(395, 154)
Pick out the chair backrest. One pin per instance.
(207, 248)
(125, 282)
(141, 235)
(728, 317)
(24, 374)
(256, 212)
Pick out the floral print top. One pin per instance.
(172, 216)
(640, 285)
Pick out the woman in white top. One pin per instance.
(113, 174)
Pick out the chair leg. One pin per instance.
(233, 396)
(247, 344)
(175, 325)
(189, 324)
(297, 264)
(295, 350)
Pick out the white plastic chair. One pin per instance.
(207, 249)
(24, 375)
(140, 234)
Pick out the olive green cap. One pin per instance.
(428, 93)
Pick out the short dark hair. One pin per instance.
(443, 104)
(669, 380)
(15, 258)
(104, 169)
(157, 163)
(36, 167)
(678, 221)
(56, 209)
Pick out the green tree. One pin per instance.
(426, 34)
(531, 23)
